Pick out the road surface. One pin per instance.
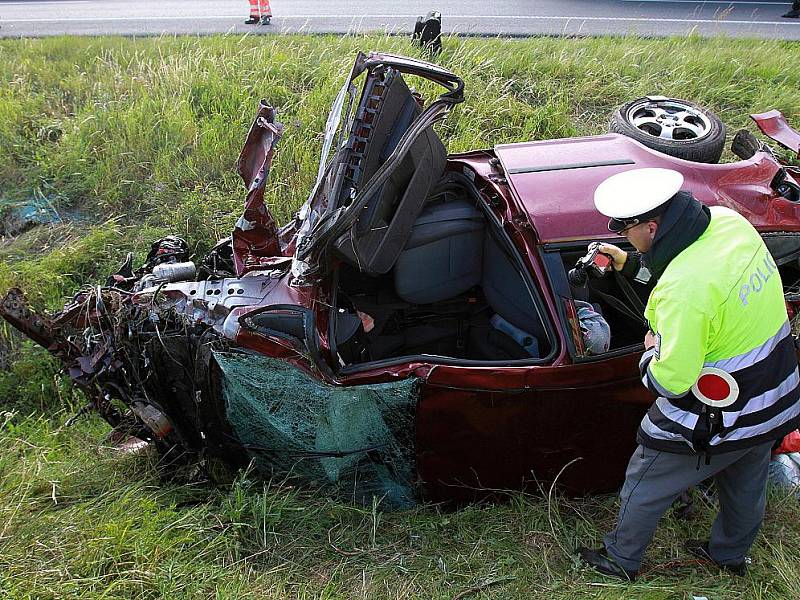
(754, 18)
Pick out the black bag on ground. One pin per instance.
(428, 32)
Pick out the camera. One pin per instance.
(593, 264)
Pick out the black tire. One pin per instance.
(693, 132)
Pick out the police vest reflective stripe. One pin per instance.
(719, 309)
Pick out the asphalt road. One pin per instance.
(754, 18)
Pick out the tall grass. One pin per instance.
(130, 139)
(133, 127)
(148, 131)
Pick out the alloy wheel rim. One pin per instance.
(669, 120)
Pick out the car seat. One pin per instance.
(449, 251)
(508, 296)
(443, 255)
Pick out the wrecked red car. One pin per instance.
(413, 332)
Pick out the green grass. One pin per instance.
(79, 520)
(130, 139)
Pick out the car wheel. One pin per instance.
(675, 127)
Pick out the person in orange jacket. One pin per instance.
(260, 12)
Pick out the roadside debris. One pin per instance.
(17, 217)
(428, 32)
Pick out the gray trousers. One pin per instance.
(655, 479)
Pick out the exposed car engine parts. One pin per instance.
(218, 263)
(142, 363)
(182, 271)
(168, 261)
(170, 249)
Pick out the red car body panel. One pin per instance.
(554, 182)
(256, 233)
(773, 124)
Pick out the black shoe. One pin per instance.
(601, 561)
(792, 14)
(251, 21)
(265, 19)
(699, 549)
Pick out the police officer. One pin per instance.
(719, 357)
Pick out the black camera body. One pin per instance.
(593, 264)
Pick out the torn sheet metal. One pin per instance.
(773, 124)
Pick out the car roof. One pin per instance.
(554, 181)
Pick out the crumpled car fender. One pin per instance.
(773, 124)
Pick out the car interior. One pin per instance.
(609, 299)
(456, 290)
(424, 270)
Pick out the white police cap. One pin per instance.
(632, 196)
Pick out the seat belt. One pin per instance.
(633, 297)
(636, 310)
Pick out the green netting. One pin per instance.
(357, 440)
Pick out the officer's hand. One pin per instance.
(618, 255)
(649, 340)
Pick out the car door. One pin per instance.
(504, 427)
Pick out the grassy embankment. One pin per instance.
(129, 139)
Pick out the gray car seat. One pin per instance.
(515, 316)
(443, 255)
(387, 110)
(449, 251)
(506, 292)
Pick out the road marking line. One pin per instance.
(363, 17)
(701, 2)
(44, 2)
